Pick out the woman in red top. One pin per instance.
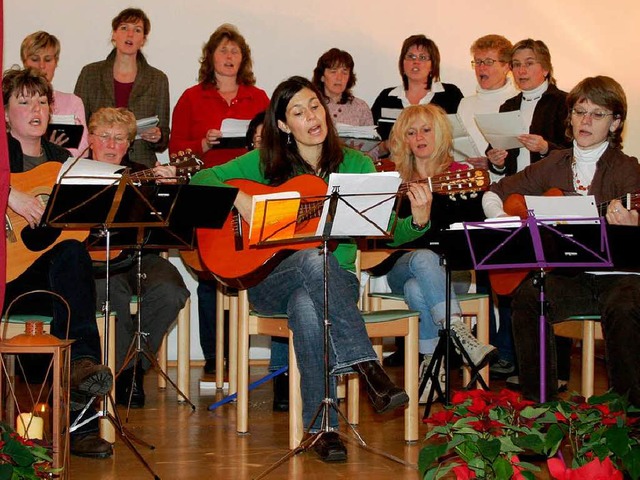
(226, 90)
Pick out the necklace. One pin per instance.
(578, 185)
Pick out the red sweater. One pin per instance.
(200, 109)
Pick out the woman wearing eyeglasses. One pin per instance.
(419, 66)
(125, 79)
(542, 108)
(596, 165)
(492, 65)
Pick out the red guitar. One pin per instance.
(226, 252)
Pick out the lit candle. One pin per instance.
(43, 410)
(29, 426)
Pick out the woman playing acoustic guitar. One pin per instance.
(298, 138)
(421, 146)
(596, 165)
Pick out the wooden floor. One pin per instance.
(203, 444)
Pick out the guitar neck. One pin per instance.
(452, 183)
(630, 201)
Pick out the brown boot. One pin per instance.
(90, 445)
(88, 379)
(383, 393)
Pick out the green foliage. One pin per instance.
(484, 432)
(22, 459)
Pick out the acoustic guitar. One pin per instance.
(227, 254)
(506, 281)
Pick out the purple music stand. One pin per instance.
(584, 257)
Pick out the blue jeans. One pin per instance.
(421, 279)
(295, 287)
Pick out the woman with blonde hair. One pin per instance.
(421, 144)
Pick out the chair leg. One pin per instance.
(162, 361)
(235, 336)
(296, 427)
(184, 348)
(588, 358)
(241, 374)
(220, 307)
(411, 417)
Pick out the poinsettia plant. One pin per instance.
(485, 434)
(22, 459)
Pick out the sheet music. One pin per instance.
(501, 129)
(88, 172)
(234, 128)
(373, 194)
(145, 124)
(558, 208)
(462, 141)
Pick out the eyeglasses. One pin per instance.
(421, 57)
(527, 65)
(579, 113)
(487, 61)
(105, 138)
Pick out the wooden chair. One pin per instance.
(16, 326)
(588, 329)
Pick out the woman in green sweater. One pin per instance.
(298, 139)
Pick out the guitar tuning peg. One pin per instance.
(453, 197)
(473, 195)
(463, 196)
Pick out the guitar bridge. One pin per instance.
(237, 229)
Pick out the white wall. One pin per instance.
(586, 37)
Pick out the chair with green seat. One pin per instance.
(588, 329)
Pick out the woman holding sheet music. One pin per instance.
(299, 138)
(419, 66)
(226, 90)
(125, 79)
(542, 107)
(421, 146)
(41, 50)
(596, 165)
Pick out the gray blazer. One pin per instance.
(149, 97)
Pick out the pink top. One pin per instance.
(70, 104)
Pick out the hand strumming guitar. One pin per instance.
(27, 206)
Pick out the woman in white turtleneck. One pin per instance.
(492, 64)
(542, 107)
(596, 165)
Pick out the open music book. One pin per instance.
(273, 216)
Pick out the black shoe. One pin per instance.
(128, 387)
(396, 359)
(383, 393)
(88, 379)
(281, 392)
(330, 448)
(210, 366)
(502, 369)
(90, 445)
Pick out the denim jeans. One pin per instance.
(615, 297)
(419, 276)
(163, 296)
(295, 287)
(66, 270)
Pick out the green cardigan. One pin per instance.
(248, 167)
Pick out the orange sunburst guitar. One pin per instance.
(226, 251)
(24, 244)
(227, 254)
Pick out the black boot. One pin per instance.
(129, 387)
(123, 386)
(137, 396)
(383, 393)
(281, 392)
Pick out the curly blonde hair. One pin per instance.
(401, 153)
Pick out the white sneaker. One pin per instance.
(479, 353)
(422, 372)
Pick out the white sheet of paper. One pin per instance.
(145, 124)
(571, 207)
(89, 172)
(501, 129)
(365, 187)
(63, 119)
(234, 128)
(462, 141)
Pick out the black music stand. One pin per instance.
(127, 207)
(539, 245)
(336, 204)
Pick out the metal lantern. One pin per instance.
(41, 414)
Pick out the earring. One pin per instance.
(289, 138)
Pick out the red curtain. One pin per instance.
(4, 173)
